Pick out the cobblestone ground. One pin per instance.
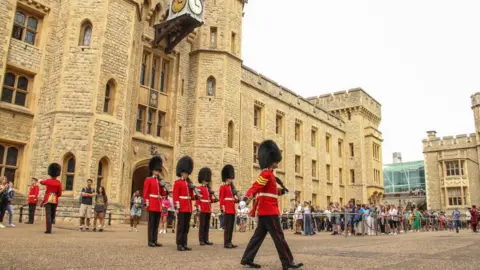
(26, 247)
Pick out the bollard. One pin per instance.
(21, 215)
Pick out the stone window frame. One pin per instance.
(213, 41)
(351, 147)
(352, 176)
(258, 113)
(279, 122)
(456, 200)
(211, 86)
(4, 158)
(25, 27)
(376, 151)
(230, 134)
(314, 169)
(454, 168)
(298, 164)
(314, 137)
(340, 148)
(328, 173)
(109, 97)
(160, 123)
(340, 176)
(255, 152)
(140, 119)
(102, 172)
(17, 75)
(328, 143)
(298, 130)
(233, 43)
(86, 33)
(68, 173)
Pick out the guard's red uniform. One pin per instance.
(267, 194)
(52, 186)
(33, 194)
(153, 194)
(182, 196)
(227, 201)
(205, 203)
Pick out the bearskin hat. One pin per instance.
(268, 153)
(155, 164)
(228, 172)
(185, 165)
(205, 175)
(54, 170)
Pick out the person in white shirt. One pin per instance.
(243, 214)
(328, 214)
(393, 219)
(298, 219)
(307, 219)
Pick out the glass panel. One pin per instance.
(20, 18)
(32, 23)
(9, 80)
(2, 152)
(105, 105)
(30, 37)
(71, 165)
(69, 182)
(20, 98)
(10, 174)
(154, 70)
(7, 95)
(87, 35)
(17, 32)
(100, 169)
(22, 83)
(12, 154)
(107, 90)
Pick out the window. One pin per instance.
(329, 200)
(314, 168)
(349, 115)
(150, 120)
(179, 135)
(455, 197)
(69, 172)
(140, 117)
(160, 122)
(25, 27)
(376, 151)
(327, 143)
(328, 173)
(233, 48)
(341, 201)
(340, 148)
(352, 176)
(8, 161)
(109, 97)
(85, 34)
(340, 176)
(257, 116)
(183, 87)
(297, 132)
(102, 173)
(255, 153)
(213, 38)
(376, 176)
(314, 199)
(314, 138)
(352, 150)
(15, 88)
(164, 76)
(211, 86)
(230, 134)
(143, 71)
(298, 164)
(278, 124)
(455, 168)
(158, 73)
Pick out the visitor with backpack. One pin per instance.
(86, 204)
(7, 195)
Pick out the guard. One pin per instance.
(52, 192)
(32, 200)
(227, 204)
(266, 205)
(153, 194)
(205, 205)
(182, 197)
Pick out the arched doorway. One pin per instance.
(139, 176)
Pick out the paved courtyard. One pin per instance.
(26, 247)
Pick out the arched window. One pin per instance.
(85, 33)
(69, 172)
(230, 134)
(109, 101)
(8, 161)
(211, 86)
(102, 173)
(15, 89)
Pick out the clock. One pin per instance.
(178, 5)
(196, 6)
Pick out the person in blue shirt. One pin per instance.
(456, 219)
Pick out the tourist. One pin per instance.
(7, 194)
(456, 219)
(227, 204)
(164, 215)
(86, 205)
(52, 192)
(468, 217)
(393, 214)
(135, 211)
(383, 219)
(153, 193)
(243, 214)
(171, 218)
(32, 200)
(182, 197)
(100, 209)
(417, 220)
(307, 219)
(3, 199)
(298, 219)
(369, 213)
(474, 219)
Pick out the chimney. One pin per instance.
(431, 134)
(397, 157)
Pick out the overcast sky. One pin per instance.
(420, 59)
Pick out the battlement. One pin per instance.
(434, 143)
(347, 99)
(475, 99)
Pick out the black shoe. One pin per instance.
(250, 264)
(180, 248)
(151, 244)
(208, 243)
(234, 246)
(47, 232)
(229, 246)
(187, 248)
(158, 244)
(292, 265)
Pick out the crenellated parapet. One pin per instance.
(434, 143)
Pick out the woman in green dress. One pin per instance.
(416, 221)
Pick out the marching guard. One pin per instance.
(32, 200)
(266, 205)
(52, 192)
(227, 204)
(205, 205)
(153, 193)
(182, 197)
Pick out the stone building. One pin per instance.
(83, 86)
(452, 167)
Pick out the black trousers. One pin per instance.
(49, 216)
(229, 221)
(204, 227)
(31, 212)
(183, 227)
(271, 225)
(153, 222)
(3, 209)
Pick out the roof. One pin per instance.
(411, 165)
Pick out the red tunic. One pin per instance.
(53, 186)
(227, 201)
(474, 218)
(33, 194)
(153, 194)
(267, 194)
(205, 203)
(182, 196)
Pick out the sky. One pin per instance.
(420, 59)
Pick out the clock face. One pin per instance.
(196, 6)
(178, 5)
